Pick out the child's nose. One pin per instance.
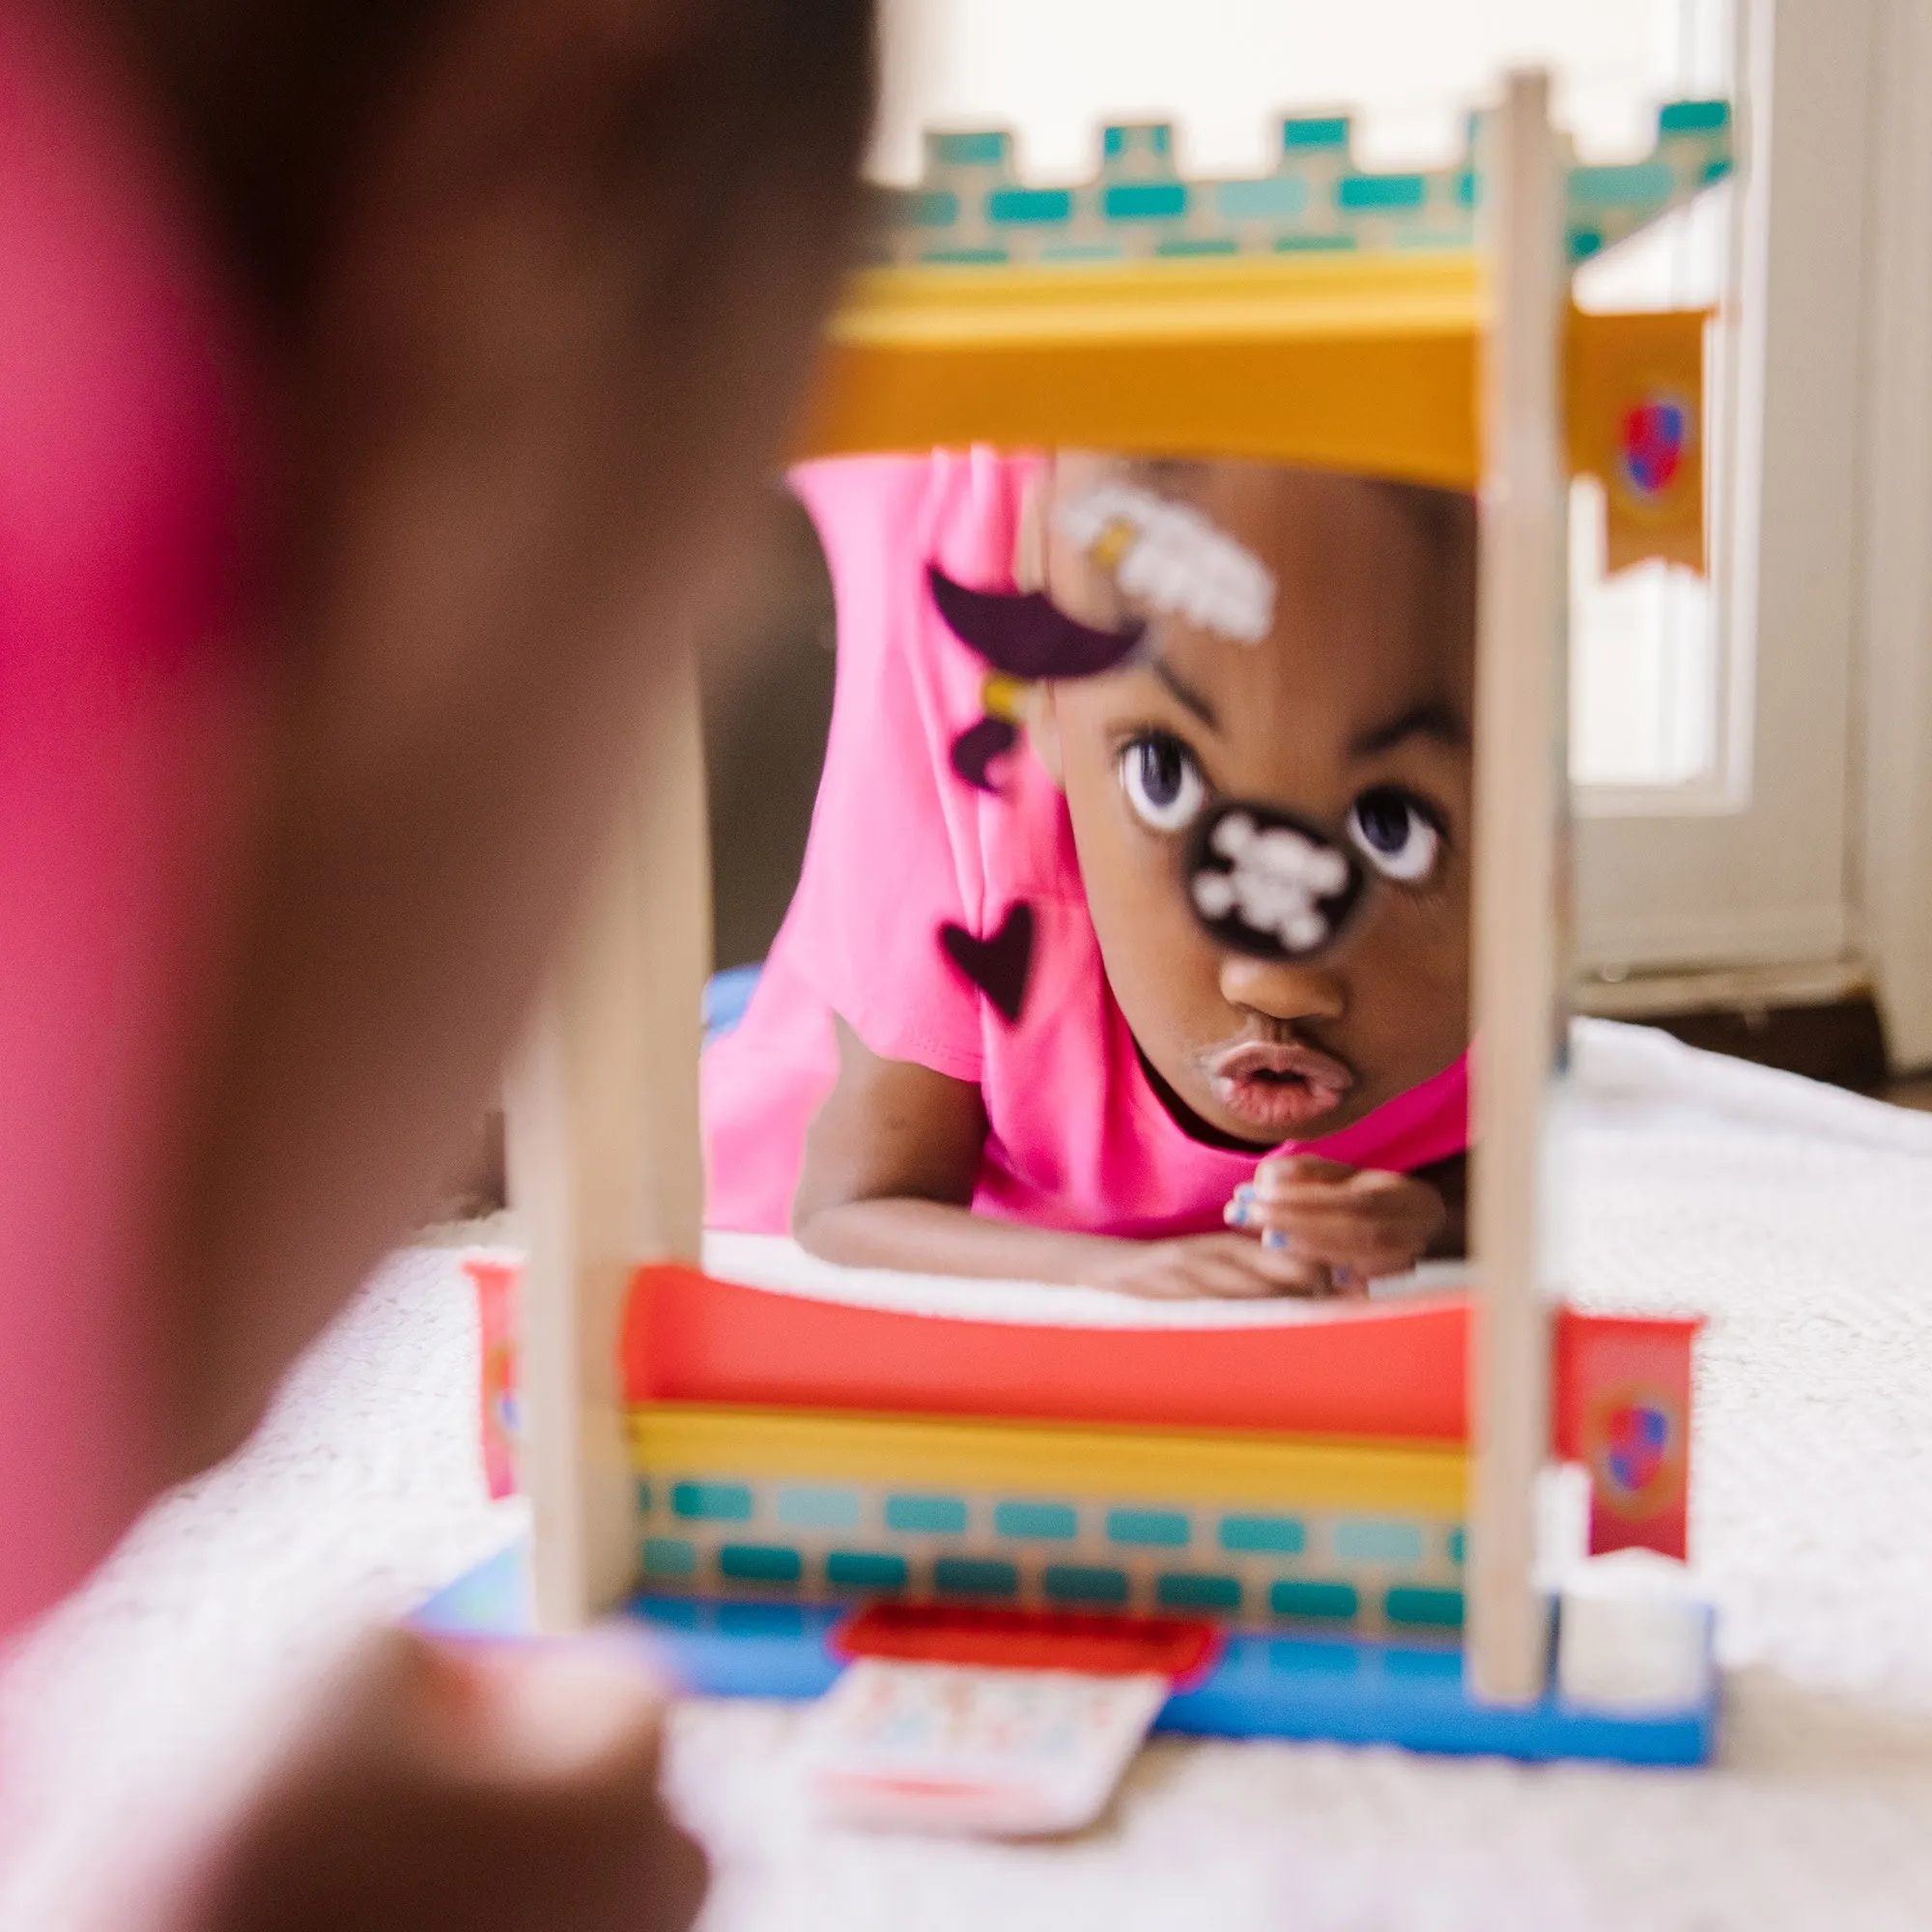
(1281, 989)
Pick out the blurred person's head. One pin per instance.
(287, 110)
(384, 387)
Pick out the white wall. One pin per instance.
(1895, 851)
(1221, 69)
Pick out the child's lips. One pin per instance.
(1279, 1084)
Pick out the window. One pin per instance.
(1648, 647)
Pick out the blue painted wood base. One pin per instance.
(1289, 1686)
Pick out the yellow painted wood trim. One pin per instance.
(1342, 297)
(1402, 409)
(1366, 365)
(1194, 1467)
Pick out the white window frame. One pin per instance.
(1750, 864)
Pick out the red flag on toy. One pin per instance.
(1623, 1410)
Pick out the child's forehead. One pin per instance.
(1323, 669)
(1278, 500)
(1373, 583)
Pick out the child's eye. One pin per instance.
(1162, 781)
(1396, 834)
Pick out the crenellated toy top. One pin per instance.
(972, 207)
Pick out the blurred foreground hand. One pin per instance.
(482, 1788)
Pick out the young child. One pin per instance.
(1158, 1087)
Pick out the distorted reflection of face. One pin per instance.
(1351, 717)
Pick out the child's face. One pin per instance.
(1356, 702)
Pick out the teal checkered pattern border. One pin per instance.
(971, 206)
(1362, 1573)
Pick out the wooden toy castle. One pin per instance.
(1349, 1498)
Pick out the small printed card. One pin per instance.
(970, 1748)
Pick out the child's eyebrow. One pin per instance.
(1430, 720)
(1185, 693)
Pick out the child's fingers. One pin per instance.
(1230, 1267)
(1367, 1264)
(1227, 1267)
(1326, 1227)
(1325, 1213)
(1223, 1279)
(1388, 1202)
(1221, 1268)
(1281, 1173)
(1269, 1270)
(1190, 1278)
(1358, 1246)
(1247, 1207)
(1357, 1251)
(1175, 1271)
(1284, 1268)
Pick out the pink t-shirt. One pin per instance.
(123, 724)
(899, 846)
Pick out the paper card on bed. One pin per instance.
(971, 1749)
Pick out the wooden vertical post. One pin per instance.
(1521, 902)
(604, 1165)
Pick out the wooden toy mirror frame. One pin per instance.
(1464, 368)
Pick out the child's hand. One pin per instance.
(1348, 1224)
(1204, 1266)
(489, 1787)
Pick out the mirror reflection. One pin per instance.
(1130, 945)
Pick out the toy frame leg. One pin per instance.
(605, 1165)
(1518, 947)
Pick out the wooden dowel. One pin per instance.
(604, 1165)
(1518, 937)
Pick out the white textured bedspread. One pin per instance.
(1799, 1218)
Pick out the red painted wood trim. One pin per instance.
(1393, 1371)
(1102, 1645)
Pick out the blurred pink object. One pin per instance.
(124, 720)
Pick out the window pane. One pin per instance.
(1642, 664)
(1646, 646)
